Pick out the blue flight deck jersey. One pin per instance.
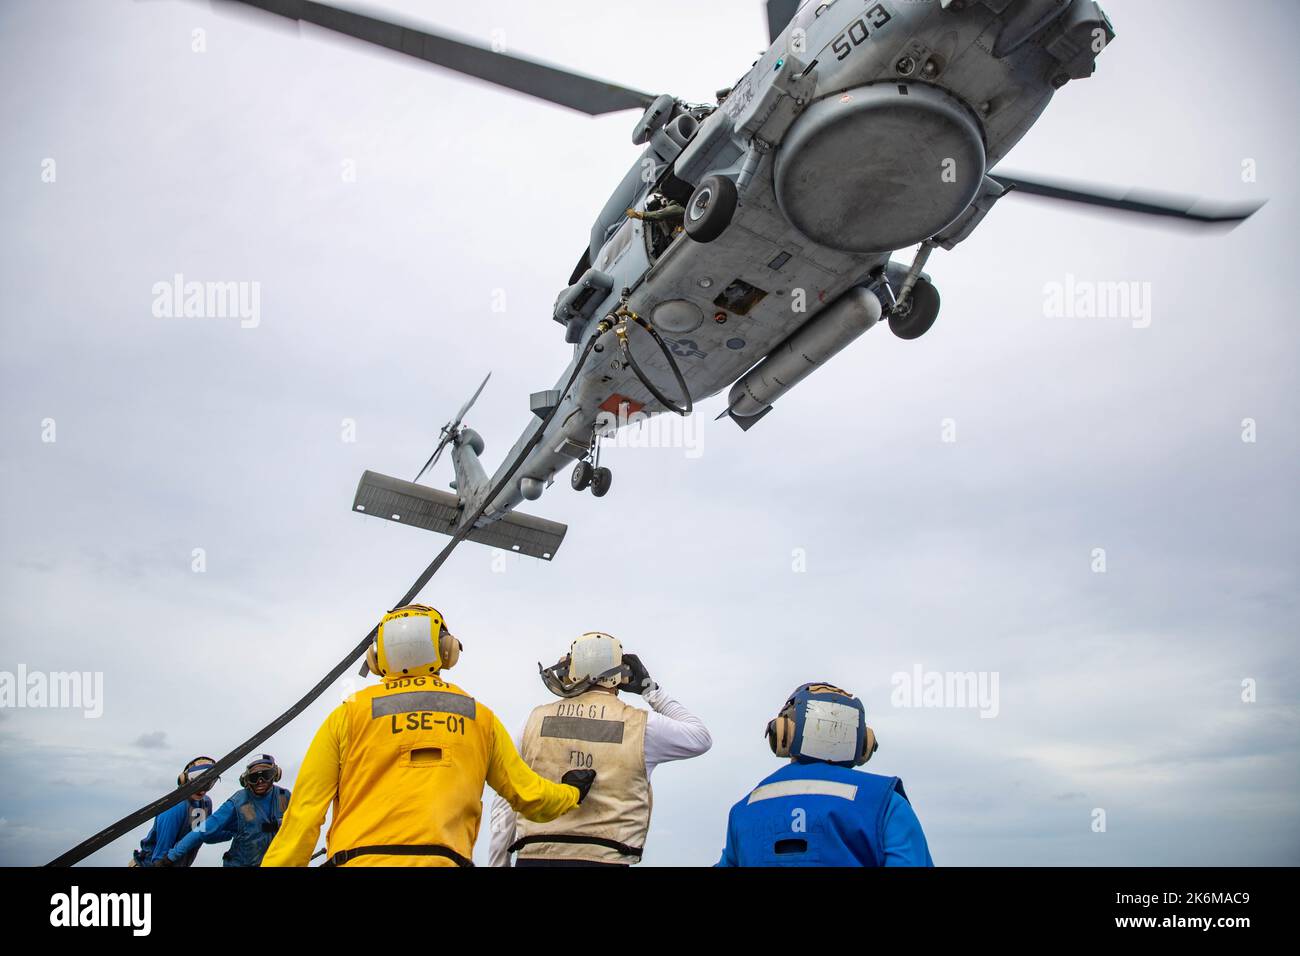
(818, 814)
(247, 821)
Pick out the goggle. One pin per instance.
(261, 776)
(193, 773)
(556, 678)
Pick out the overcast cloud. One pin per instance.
(1120, 691)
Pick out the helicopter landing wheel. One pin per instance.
(710, 208)
(581, 476)
(601, 479)
(918, 313)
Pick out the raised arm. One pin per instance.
(672, 732)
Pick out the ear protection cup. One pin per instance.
(372, 659)
(449, 649)
(869, 745)
(780, 735)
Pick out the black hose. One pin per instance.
(204, 781)
(663, 399)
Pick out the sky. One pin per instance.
(1098, 513)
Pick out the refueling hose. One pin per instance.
(663, 399)
(205, 780)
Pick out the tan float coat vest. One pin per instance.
(594, 731)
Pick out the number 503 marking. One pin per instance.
(859, 31)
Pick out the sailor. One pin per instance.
(592, 728)
(403, 762)
(248, 821)
(818, 810)
(176, 822)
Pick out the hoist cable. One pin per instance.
(206, 779)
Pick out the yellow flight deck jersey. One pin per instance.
(403, 762)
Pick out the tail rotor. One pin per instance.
(451, 431)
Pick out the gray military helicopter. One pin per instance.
(751, 240)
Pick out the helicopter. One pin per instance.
(752, 239)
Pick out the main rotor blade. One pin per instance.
(574, 90)
(779, 13)
(472, 399)
(1134, 201)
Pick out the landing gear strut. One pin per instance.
(917, 304)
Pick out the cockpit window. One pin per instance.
(615, 247)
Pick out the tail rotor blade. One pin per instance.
(452, 428)
(433, 459)
(472, 399)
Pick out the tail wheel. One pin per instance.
(710, 208)
(918, 313)
(581, 476)
(601, 479)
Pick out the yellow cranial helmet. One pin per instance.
(412, 640)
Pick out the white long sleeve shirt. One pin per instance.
(671, 733)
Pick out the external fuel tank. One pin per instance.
(823, 336)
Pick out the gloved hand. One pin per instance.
(638, 680)
(582, 779)
(165, 861)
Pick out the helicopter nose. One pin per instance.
(879, 167)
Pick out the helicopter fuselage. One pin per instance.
(867, 127)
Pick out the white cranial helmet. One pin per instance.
(596, 657)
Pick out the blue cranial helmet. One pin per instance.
(822, 723)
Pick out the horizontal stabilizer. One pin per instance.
(423, 507)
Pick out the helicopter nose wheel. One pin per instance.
(710, 208)
(916, 315)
